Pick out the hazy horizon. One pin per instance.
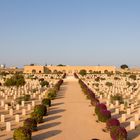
(72, 32)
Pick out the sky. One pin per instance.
(71, 32)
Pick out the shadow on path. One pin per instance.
(46, 135)
(132, 134)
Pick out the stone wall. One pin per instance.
(68, 69)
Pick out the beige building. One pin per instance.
(34, 69)
(67, 69)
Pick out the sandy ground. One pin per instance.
(70, 117)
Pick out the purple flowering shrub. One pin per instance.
(100, 107)
(112, 122)
(104, 115)
(118, 133)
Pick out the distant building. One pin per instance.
(68, 69)
(2, 66)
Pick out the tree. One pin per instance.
(133, 77)
(109, 84)
(83, 72)
(124, 66)
(61, 65)
(15, 80)
(44, 83)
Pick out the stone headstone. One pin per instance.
(17, 118)
(2, 118)
(123, 118)
(8, 126)
(132, 125)
(11, 112)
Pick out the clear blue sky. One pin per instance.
(73, 32)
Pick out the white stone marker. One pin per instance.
(33, 103)
(2, 118)
(132, 107)
(122, 107)
(23, 103)
(23, 112)
(139, 111)
(136, 117)
(6, 106)
(17, 107)
(111, 106)
(123, 118)
(117, 103)
(17, 118)
(28, 107)
(2, 103)
(101, 96)
(39, 97)
(117, 111)
(8, 126)
(11, 112)
(132, 125)
(128, 111)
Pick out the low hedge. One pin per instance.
(22, 133)
(118, 133)
(37, 117)
(40, 109)
(52, 93)
(31, 124)
(100, 107)
(46, 101)
(104, 115)
(111, 123)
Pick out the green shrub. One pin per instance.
(46, 101)
(44, 83)
(37, 117)
(104, 115)
(117, 97)
(83, 72)
(40, 109)
(100, 107)
(133, 77)
(22, 133)
(23, 98)
(52, 94)
(31, 124)
(26, 97)
(109, 84)
(15, 80)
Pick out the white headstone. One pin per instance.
(33, 103)
(123, 118)
(6, 106)
(2, 118)
(22, 103)
(117, 111)
(128, 111)
(11, 112)
(17, 118)
(17, 107)
(23, 112)
(136, 117)
(28, 107)
(8, 126)
(132, 125)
